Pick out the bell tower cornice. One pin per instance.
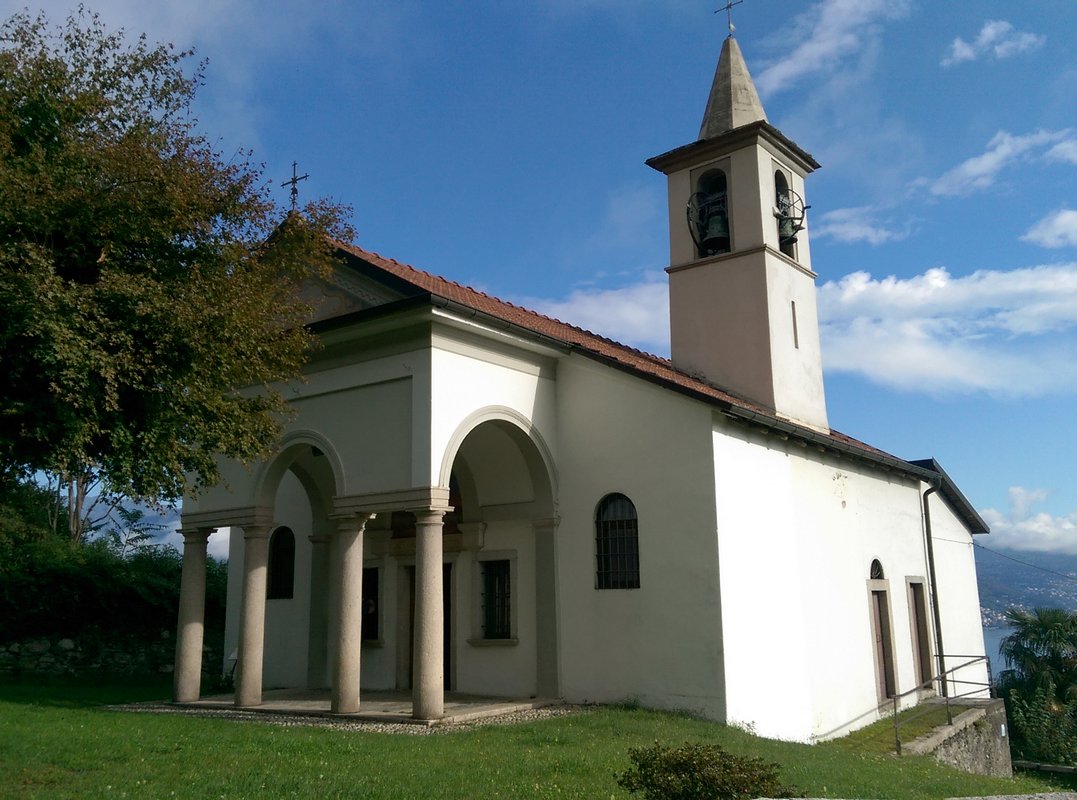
(757, 133)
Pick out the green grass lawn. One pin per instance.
(57, 741)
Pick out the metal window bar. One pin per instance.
(496, 600)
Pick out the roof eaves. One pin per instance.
(953, 495)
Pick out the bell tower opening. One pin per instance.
(708, 214)
(784, 214)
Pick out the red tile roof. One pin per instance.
(632, 360)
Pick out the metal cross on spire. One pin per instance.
(728, 9)
(294, 183)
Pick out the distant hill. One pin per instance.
(1006, 583)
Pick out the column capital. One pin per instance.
(545, 524)
(260, 531)
(195, 535)
(430, 515)
(347, 523)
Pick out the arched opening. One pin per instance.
(788, 225)
(708, 214)
(295, 491)
(505, 640)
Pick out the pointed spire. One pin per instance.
(733, 101)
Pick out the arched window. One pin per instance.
(708, 214)
(280, 582)
(876, 572)
(616, 544)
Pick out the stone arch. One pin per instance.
(525, 435)
(313, 460)
(308, 458)
(505, 581)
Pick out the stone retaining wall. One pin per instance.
(977, 742)
(96, 653)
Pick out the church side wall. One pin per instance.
(959, 596)
(798, 530)
(659, 644)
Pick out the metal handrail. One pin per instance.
(942, 679)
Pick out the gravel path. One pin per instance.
(364, 725)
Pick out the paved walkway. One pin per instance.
(376, 707)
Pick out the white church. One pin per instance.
(476, 498)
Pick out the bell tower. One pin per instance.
(741, 287)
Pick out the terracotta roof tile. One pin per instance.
(636, 361)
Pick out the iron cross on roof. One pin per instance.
(728, 9)
(294, 182)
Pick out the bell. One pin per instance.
(787, 229)
(715, 238)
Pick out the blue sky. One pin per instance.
(501, 144)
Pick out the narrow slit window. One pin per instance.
(796, 333)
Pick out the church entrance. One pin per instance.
(884, 651)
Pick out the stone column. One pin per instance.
(345, 694)
(428, 682)
(252, 616)
(192, 616)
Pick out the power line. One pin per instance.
(1026, 563)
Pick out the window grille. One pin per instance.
(616, 544)
(496, 606)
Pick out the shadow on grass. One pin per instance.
(86, 691)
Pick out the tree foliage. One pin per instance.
(148, 284)
(1041, 652)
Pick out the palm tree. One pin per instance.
(1041, 653)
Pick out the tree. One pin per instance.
(149, 285)
(1041, 653)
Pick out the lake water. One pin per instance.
(992, 639)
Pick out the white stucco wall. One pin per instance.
(659, 644)
(959, 597)
(797, 531)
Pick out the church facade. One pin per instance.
(473, 497)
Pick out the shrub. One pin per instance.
(1044, 729)
(700, 772)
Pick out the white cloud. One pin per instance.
(827, 34)
(636, 314)
(1021, 529)
(216, 547)
(996, 38)
(1064, 151)
(857, 225)
(1055, 230)
(1005, 333)
(980, 172)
